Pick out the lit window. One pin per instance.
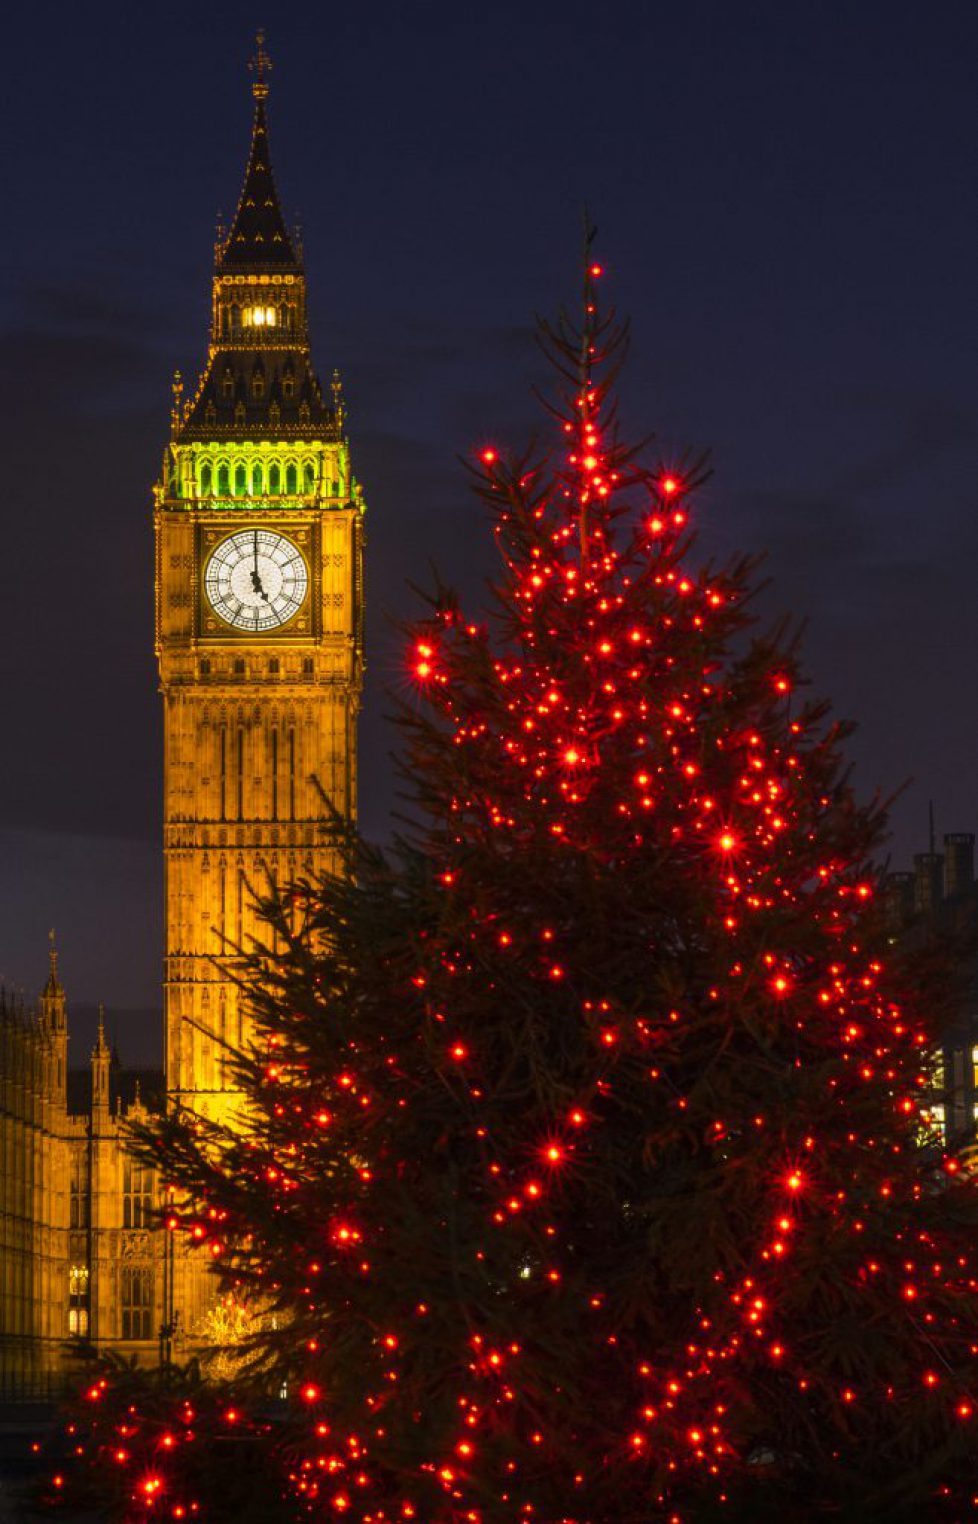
(260, 317)
(78, 1301)
(932, 1120)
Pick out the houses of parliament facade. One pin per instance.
(259, 636)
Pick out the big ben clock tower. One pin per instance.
(259, 608)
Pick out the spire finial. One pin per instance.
(53, 987)
(100, 1040)
(339, 406)
(261, 67)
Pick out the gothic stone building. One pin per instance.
(259, 635)
(80, 1261)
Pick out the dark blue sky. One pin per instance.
(786, 199)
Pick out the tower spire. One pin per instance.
(53, 986)
(53, 956)
(101, 1058)
(52, 1006)
(259, 239)
(261, 67)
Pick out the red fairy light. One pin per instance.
(423, 655)
(460, 1051)
(554, 1154)
(794, 1181)
(489, 455)
(670, 486)
(596, 271)
(727, 842)
(310, 1392)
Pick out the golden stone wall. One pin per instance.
(255, 727)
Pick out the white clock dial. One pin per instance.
(256, 580)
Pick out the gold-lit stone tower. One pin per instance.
(259, 610)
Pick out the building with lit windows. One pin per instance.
(80, 1262)
(940, 895)
(259, 635)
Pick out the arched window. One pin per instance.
(288, 385)
(310, 477)
(227, 384)
(291, 479)
(258, 384)
(205, 479)
(258, 480)
(235, 317)
(240, 481)
(274, 479)
(223, 480)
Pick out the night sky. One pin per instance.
(786, 202)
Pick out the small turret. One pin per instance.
(53, 1006)
(52, 1021)
(101, 1064)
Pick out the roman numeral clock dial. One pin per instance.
(256, 580)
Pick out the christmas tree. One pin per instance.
(588, 1177)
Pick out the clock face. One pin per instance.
(256, 580)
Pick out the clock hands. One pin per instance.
(255, 578)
